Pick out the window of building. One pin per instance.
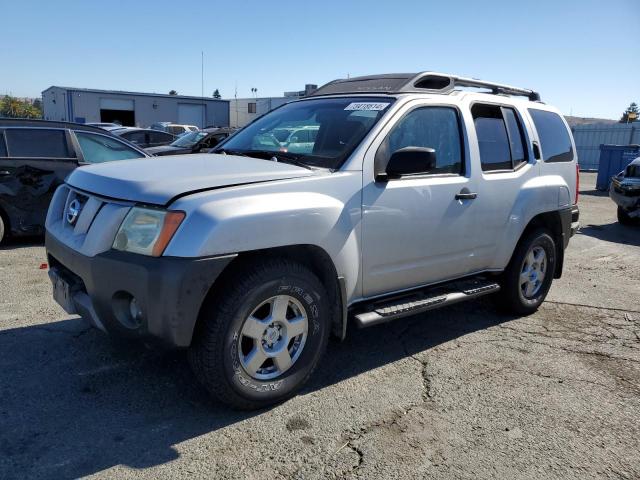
(101, 148)
(37, 143)
(251, 107)
(555, 142)
(500, 137)
(431, 127)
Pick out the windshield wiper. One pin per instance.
(284, 157)
(224, 151)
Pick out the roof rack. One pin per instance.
(424, 82)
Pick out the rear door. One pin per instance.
(502, 143)
(33, 162)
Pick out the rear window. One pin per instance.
(555, 141)
(102, 148)
(37, 143)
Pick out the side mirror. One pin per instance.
(410, 160)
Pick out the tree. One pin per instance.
(172, 92)
(216, 93)
(15, 108)
(631, 114)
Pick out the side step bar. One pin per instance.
(385, 311)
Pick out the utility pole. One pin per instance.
(204, 107)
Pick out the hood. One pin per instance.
(166, 150)
(157, 180)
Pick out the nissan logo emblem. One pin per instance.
(73, 211)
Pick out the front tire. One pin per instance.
(527, 278)
(623, 217)
(261, 338)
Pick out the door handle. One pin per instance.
(4, 173)
(465, 194)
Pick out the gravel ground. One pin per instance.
(459, 393)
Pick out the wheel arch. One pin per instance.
(551, 221)
(312, 256)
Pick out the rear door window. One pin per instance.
(101, 148)
(555, 141)
(500, 137)
(37, 143)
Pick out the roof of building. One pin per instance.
(123, 92)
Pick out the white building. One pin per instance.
(243, 111)
(85, 105)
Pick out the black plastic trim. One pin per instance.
(170, 290)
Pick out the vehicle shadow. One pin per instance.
(73, 403)
(614, 232)
(595, 193)
(22, 242)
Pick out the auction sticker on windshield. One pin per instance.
(366, 106)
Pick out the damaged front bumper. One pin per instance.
(133, 295)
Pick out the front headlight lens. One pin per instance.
(147, 231)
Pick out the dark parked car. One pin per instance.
(36, 156)
(625, 191)
(194, 142)
(144, 137)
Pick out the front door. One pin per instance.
(417, 229)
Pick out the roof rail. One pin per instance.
(424, 82)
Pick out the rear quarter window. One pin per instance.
(37, 143)
(555, 141)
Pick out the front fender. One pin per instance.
(323, 211)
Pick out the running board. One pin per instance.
(385, 311)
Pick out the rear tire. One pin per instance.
(528, 277)
(623, 217)
(3, 231)
(276, 310)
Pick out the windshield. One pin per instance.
(189, 139)
(320, 132)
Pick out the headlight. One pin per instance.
(147, 231)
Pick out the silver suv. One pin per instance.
(415, 194)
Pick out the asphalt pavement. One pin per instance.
(463, 392)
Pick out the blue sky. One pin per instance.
(582, 55)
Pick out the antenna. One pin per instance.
(204, 107)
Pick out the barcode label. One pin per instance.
(366, 106)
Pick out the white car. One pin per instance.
(174, 128)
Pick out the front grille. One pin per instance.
(84, 222)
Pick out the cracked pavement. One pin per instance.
(459, 393)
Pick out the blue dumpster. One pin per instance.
(614, 159)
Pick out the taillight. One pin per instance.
(577, 181)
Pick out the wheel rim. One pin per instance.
(273, 337)
(534, 269)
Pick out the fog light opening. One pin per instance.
(128, 310)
